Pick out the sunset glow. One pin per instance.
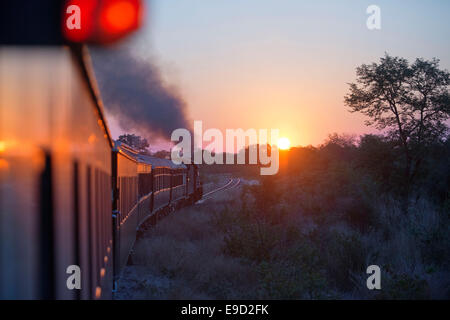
(279, 55)
(284, 144)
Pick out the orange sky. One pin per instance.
(259, 64)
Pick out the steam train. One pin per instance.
(145, 188)
(70, 195)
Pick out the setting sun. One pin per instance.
(284, 144)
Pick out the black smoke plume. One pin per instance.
(134, 93)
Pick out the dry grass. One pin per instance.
(222, 249)
(181, 258)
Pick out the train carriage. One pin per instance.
(69, 197)
(63, 171)
(179, 178)
(125, 206)
(55, 170)
(145, 187)
(161, 181)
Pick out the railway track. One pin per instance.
(231, 184)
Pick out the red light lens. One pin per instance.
(102, 21)
(119, 16)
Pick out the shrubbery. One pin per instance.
(310, 232)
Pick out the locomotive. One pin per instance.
(69, 194)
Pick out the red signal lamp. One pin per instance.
(100, 21)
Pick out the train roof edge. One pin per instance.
(83, 56)
(123, 148)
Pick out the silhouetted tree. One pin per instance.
(411, 102)
(377, 156)
(136, 142)
(339, 147)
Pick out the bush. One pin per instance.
(251, 240)
(403, 287)
(344, 253)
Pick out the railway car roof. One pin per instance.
(153, 161)
(158, 162)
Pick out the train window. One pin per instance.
(89, 228)
(47, 230)
(144, 184)
(149, 182)
(76, 218)
(129, 194)
(120, 198)
(98, 218)
(97, 215)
